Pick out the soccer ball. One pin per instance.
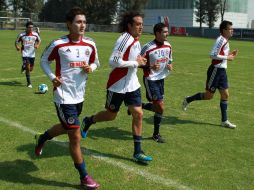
(42, 88)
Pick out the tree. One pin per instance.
(200, 11)
(3, 5)
(223, 8)
(97, 11)
(212, 12)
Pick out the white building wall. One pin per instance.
(251, 14)
(177, 17)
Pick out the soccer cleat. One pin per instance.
(89, 183)
(141, 157)
(185, 104)
(86, 123)
(38, 147)
(158, 138)
(29, 86)
(227, 124)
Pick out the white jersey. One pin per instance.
(156, 52)
(219, 52)
(69, 57)
(123, 77)
(28, 41)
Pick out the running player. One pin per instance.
(159, 64)
(30, 41)
(123, 84)
(217, 75)
(75, 57)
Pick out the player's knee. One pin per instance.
(111, 115)
(159, 107)
(138, 114)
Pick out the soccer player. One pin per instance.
(29, 41)
(76, 57)
(123, 84)
(216, 74)
(159, 64)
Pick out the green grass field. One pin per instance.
(198, 155)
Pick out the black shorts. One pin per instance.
(28, 60)
(154, 89)
(68, 114)
(216, 79)
(114, 100)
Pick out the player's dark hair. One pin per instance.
(29, 23)
(224, 24)
(158, 27)
(70, 15)
(127, 18)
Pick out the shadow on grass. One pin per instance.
(172, 120)
(114, 133)
(12, 83)
(56, 148)
(17, 171)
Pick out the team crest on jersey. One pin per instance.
(68, 50)
(71, 120)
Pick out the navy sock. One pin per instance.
(147, 106)
(89, 123)
(81, 169)
(198, 96)
(137, 144)
(157, 121)
(44, 137)
(223, 108)
(28, 79)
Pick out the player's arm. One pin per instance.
(47, 57)
(93, 61)
(170, 61)
(17, 42)
(37, 43)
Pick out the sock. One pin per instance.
(89, 123)
(157, 121)
(81, 169)
(198, 96)
(223, 108)
(147, 106)
(28, 79)
(137, 144)
(44, 137)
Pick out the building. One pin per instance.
(181, 13)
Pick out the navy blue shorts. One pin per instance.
(154, 89)
(216, 79)
(28, 60)
(114, 100)
(68, 114)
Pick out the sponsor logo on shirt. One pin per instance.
(77, 64)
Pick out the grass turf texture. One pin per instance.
(199, 154)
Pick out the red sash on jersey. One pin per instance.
(216, 62)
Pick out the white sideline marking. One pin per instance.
(140, 172)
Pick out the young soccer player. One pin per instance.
(75, 57)
(217, 75)
(29, 41)
(159, 55)
(123, 84)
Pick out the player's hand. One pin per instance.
(234, 52)
(141, 60)
(18, 48)
(87, 68)
(155, 66)
(56, 82)
(170, 67)
(36, 46)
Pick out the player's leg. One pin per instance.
(149, 88)
(133, 101)
(28, 67)
(224, 94)
(211, 86)
(113, 103)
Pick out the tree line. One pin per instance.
(104, 11)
